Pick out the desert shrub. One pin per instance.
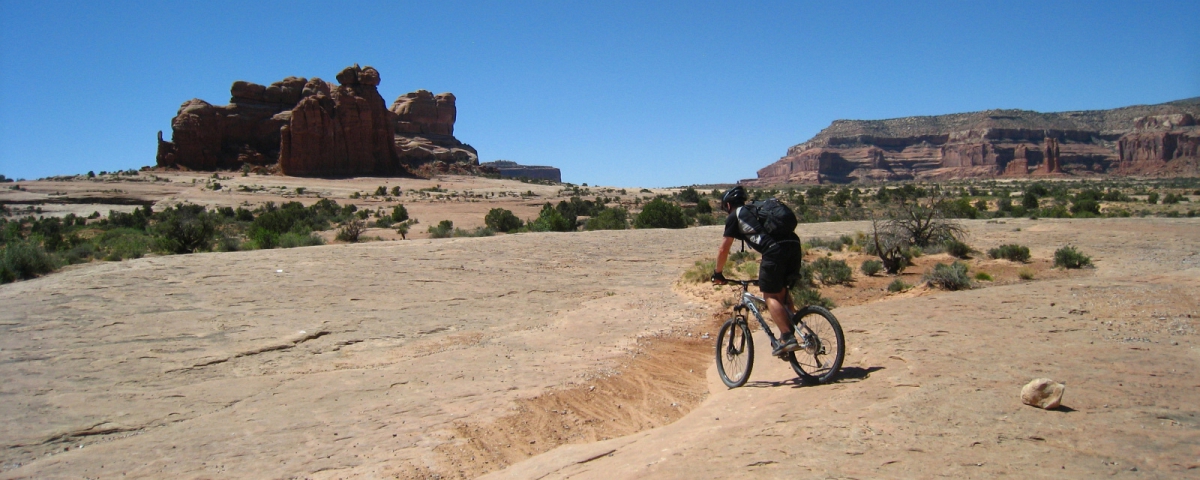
(1029, 201)
(957, 248)
(832, 272)
(24, 259)
(959, 208)
(1056, 211)
(803, 297)
(502, 220)
(949, 277)
(402, 229)
(184, 229)
(1013, 252)
(891, 246)
(700, 272)
(871, 268)
(832, 244)
(1081, 207)
(659, 213)
(705, 220)
(383, 222)
(898, 285)
(551, 220)
(983, 276)
(748, 269)
(923, 223)
(743, 256)
(227, 243)
(262, 238)
(295, 217)
(1026, 273)
(1152, 198)
(122, 243)
(80, 253)
(1069, 257)
(380, 191)
(477, 232)
(296, 239)
(609, 219)
(351, 230)
(399, 213)
(444, 229)
(139, 219)
(243, 215)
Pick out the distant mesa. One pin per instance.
(510, 169)
(306, 127)
(1152, 140)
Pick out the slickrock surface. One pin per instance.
(470, 356)
(928, 386)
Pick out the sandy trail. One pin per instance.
(401, 358)
(932, 383)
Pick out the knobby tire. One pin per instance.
(735, 352)
(820, 364)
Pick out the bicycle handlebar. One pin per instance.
(744, 283)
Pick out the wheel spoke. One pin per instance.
(824, 338)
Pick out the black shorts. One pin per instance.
(780, 267)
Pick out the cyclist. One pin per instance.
(780, 262)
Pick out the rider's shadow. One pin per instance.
(845, 375)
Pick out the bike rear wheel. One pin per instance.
(825, 346)
(735, 352)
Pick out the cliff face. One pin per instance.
(343, 130)
(209, 137)
(315, 128)
(1145, 140)
(511, 169)
(425, 129)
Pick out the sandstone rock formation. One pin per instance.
(425, 129)
(208, 137)
(346, 131)
(1160, 143)
(314, 128)
(1043, 393)
(1155, 139)
(510, 169)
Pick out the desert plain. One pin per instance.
(582, 355)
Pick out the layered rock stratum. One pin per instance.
(1155, 140)
(511, 169)
(316, 128)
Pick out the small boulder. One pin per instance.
(1043, 393)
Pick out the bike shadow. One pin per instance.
(846, 375)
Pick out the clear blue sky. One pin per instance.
(615, 93)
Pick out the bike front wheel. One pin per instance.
(735, 352)
(823, 346)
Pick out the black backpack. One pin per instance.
(774, 216)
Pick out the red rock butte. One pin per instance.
(1152, 140)
(314, 128)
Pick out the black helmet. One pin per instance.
(732, 198)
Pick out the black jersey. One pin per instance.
(743, 224)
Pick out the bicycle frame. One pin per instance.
(750, 302)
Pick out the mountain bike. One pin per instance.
(822, 344)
